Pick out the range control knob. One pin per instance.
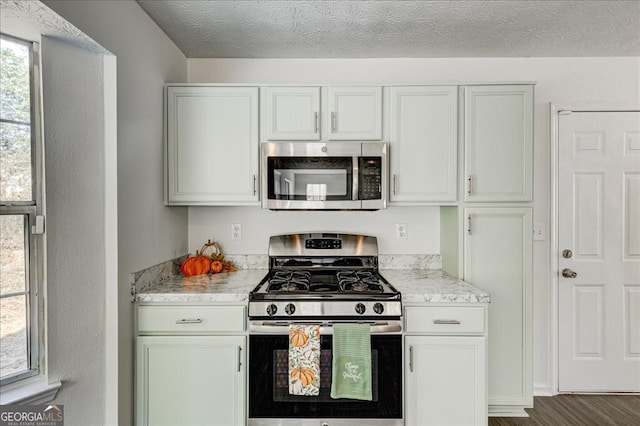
(289, 309)
(378, 308)
(272, 309)
(360, 308)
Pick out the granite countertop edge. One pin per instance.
(415, 285)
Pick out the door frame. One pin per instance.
(554, 251)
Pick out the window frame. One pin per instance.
(34, 239)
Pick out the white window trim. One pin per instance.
(35, 389)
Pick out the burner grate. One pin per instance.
(290, 281)
(359, 282)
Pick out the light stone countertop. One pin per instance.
(433, 286)
(416, 286)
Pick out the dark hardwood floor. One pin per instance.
(578, 410)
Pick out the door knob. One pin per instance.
(568, 273)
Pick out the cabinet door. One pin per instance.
(212, 145)
(355, 113)
(423, 144)
(186, 381)
(445, 380)
(292, 113)
(498, 126)
(497, 258)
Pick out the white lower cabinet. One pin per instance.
(190, 378)
(445, 352)
(498, 259)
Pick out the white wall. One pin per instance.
(148, 232)
(75, 205)
(257, 225)
(563, 81)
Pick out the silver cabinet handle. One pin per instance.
(469, 185)
(239, 358)
(333, 122)
(395, 185)
(469, 225)
(411, 359)
(568, 273)
(446, 321)
(189, 321)
(315, 120)
(254, 184)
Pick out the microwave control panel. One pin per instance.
(370, 183)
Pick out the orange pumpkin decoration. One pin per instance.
(298, 337)
(195, 265)
(217, 266)
(304, 374)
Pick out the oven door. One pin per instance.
(270, 402)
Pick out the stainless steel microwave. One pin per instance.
(324, 175)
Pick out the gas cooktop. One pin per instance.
(322, 274)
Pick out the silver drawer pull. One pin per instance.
(189, 321)
(441, 321)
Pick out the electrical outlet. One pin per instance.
(539, 232)
(401, 231)
(236, 231)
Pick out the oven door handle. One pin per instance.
(272, 327)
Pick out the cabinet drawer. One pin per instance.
(444, 319)
(176, 319)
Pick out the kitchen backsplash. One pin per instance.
(410, 261)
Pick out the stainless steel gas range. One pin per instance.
(323, 279)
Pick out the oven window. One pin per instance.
(281, 380)
(269, 389)
(310, 178)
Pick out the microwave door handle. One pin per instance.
(356, 175)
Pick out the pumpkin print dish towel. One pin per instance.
(304, 360)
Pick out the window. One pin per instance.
(21, 220)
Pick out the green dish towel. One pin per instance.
(351, 367)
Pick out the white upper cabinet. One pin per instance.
(300, 113)
(291, 113)
(498, 126)
(423, 144)
(212, 145)
(354, 113)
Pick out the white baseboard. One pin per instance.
(507, 411)
(543, 390)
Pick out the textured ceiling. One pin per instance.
(370, 29)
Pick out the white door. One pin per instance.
(599, 222)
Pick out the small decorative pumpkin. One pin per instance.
(195, 265)
(217, 266)
(298, 337)
(207, 259)
(304, 374)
